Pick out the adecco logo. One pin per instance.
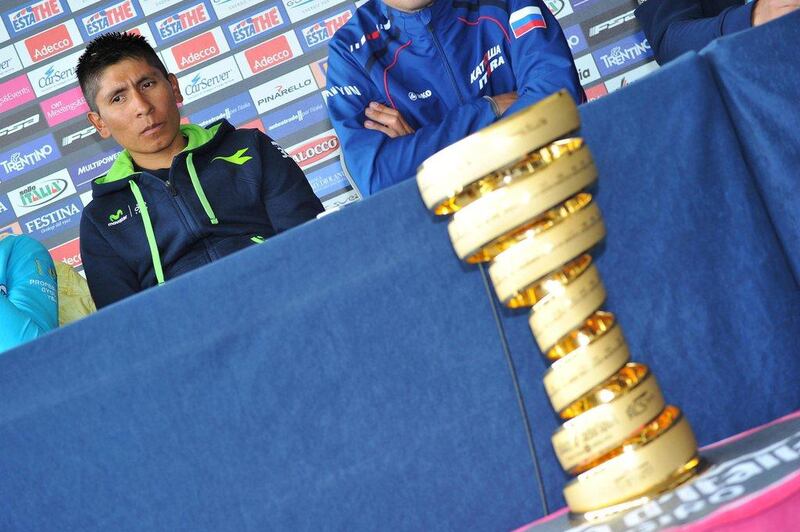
(283, 89)
(195, 51)
(41, 192)
(49, 43)
(33, 16)
(69, 253)
(318, 149)
(269, 54)
(108, 18)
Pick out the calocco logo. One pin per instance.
(314, 151)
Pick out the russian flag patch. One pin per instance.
(526, 19)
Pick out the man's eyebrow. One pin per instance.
(122, 88)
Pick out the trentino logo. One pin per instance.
(108, 17)
(182, 21)
(27, 156)
(34, 14)
(255, 24)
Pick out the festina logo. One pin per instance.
(22, 124)
(492, 60)
(109, 17)
(17, 162)
(40, 194)
(256, 24)
(53, 218)
(31, 15)
(182, 21)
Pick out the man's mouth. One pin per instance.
(151, 129)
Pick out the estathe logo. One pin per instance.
(34, 14)
(322, 30)
(491, 61)
(182, 21)
(108, 18)
(318, 149)
(269, 54)
(283, 89)
(41, 192)
(196, 50)
(209, 79)
(255, 24)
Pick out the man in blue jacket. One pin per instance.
(177, 197)
(407, 78)
(28, 298)
(674, 27)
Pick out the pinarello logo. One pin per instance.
(33, 14)
(69, 253)
(49, 43)
(182, 21)
(256, 24)
(315, 150)
(109, 17)
(270, 54)
(196, 50)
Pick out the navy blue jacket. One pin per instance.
(435, 66)
(674, 27)
(227, 190)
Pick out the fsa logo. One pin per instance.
(108, 17)
(179, 23)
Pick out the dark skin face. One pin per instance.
(138, 106)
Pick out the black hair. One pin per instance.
(109, 49)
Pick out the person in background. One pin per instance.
(674, 27)
(407, 78)
(178, 196)
(28, 291)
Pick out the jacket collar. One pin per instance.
(416, 23)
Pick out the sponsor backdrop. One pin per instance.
(258, 64)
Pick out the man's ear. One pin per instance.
(176, 90)
(99, 124)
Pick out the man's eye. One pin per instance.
(116, 99)
(147, 84)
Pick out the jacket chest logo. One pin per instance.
(492, 60)
(121, 215)
(238, 158)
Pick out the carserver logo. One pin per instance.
(55, 75)
(108, 18)
(209, 80)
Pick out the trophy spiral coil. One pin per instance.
(525, 211)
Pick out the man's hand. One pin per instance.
(504, 101)
(767, 10)
(386, 120)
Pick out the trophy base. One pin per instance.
(692, 468)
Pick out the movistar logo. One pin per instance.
(117, 217)
(237, 158)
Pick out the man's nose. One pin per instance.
(141, 105)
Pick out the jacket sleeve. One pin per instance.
(109, 277)
(288, 197)
(540, 58)
(30, 307)
(674, 27)
(374, 160)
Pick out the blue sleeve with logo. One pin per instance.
(540, 55)
(674, 27)
(28, 291)
(374, 160)
(109, 278)
(288, 197)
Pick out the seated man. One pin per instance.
(407, 78)
(28, 299)
(177, 197)
(674, 27)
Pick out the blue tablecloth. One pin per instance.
(353, 374)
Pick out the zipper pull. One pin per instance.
(171, 188)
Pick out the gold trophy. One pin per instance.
(517, 194)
